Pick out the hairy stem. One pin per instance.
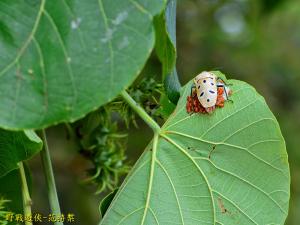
(48, 171)
(25, 194)
(141, 112)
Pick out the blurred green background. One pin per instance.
(251, 40)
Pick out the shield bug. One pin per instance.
(207, 92)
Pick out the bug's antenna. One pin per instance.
(219, 78)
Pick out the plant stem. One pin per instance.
(25, 194)
(48, 171)
(141, 112)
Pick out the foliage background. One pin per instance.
(251, 40)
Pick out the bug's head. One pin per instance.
(203, 75)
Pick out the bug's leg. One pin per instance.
(227, 95)
(219, 78)
(222, 89)
(210, 152)
(193, 89)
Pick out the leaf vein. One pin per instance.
(198, 168)
(236, 206)
(173, 187)
(247, 126)
(70, 72)
(227, 117)
(247, 182)
(227, 144)
(105, 19)
(28, 40)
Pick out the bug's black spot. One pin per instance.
(207, 100)
(212, 84)
(204, 81)
(211, 78)
(201, 94)
(211, 91)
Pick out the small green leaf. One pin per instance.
(166, 107)
(63, 59)
(16, 147)
(227, 168)
(105, 203)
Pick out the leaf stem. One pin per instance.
(25, 194)
(48, 171)
(140, 111)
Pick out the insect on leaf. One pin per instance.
(227, 168)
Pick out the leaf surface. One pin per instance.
(16, 147)
(62, 59)
(244, 181)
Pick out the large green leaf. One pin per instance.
(60, 60)
(244, 181)
(16, 147)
